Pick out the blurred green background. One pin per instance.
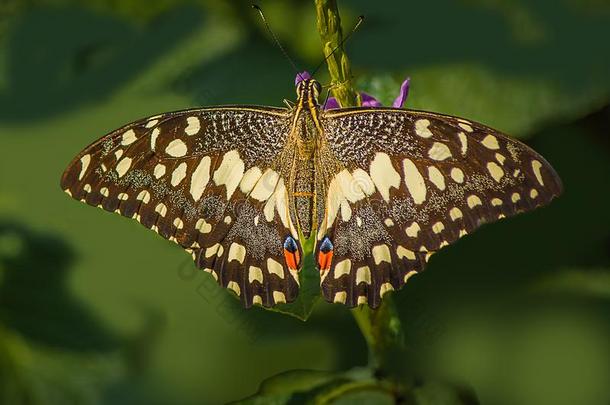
(94, 309)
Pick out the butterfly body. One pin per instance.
(242, 187)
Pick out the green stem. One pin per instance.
(381, 328)
(329, 28)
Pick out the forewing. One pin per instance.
(410, 183)
(210, 180)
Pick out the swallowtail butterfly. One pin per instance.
(378, 190)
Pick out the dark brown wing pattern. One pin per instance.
(210, 180)
(411, 183)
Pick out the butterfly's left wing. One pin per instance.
(211, 180)
(407, 183)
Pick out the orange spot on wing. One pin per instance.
(324, 260)
(292, 259)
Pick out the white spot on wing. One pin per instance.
(412, 230)
(200, 178)
(237, 252)
(123, 166)
(495, 171)
(463, 142)
(178, 174)
(248, 181)
(439, 151)
(230, 172)
(193, 126)
(490, 142)
(176, 148)
(85, 160)
(436, 177)
(128, 137)
(383, 175)
(457, 175)
(421, 128)
(275, 267)
(255, 273)
(363, 275)
(536, 165)
(381, 253)
(265, 185)
(414, 181)
(343, 267)
(143, 196)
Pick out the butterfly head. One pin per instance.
(308, 91)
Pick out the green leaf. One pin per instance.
(594, 283)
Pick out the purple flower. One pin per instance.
(367, 99)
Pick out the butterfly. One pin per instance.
(377, 191)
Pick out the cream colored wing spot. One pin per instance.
(227, 220)
(153, 138)
(87, 188)
(362, 300)
(123, 196)
(473, 201)
(384, 175)
(385, 288)
(200, 178)
(490, 142)
(230, 172)
(232, 285)
(192, 126)
(237, 252)
(363, 275)
(465, 127)
(515, 197)
(255, 273)
(143, 196)
(533, 193)
(409, 275)
(343, 267)
(178, 223)
(496, 202)
(388, 222)
(161, 209)
(202, 226)
(403, 252)
(178, 174)
(214, 250)
(248, 181)
(104, 191)
(439, 151)
(84, 161)
(349, 186)
(176, 148)
(123, 166)
(265, 185)
(128, 137)
(536, 165)
(275, 267)
(495, 171)
(359, 221)
(279, 297)
(414, 181)
(364, 181)
(340, 297)
(159, 171)
(438, 227)
(436, 177)
(463, 143)
(500, 158)
(412, 230)
(151, 123)
(455, 213)
(118, 154)
(346, 211)
(381, 253)
(212, 272)
(457, 175)
(421, 128)
(257, 299)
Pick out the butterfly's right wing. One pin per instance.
(211, 180)
(405, 184)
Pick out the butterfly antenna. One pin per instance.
(277, 41)
(360, 21)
